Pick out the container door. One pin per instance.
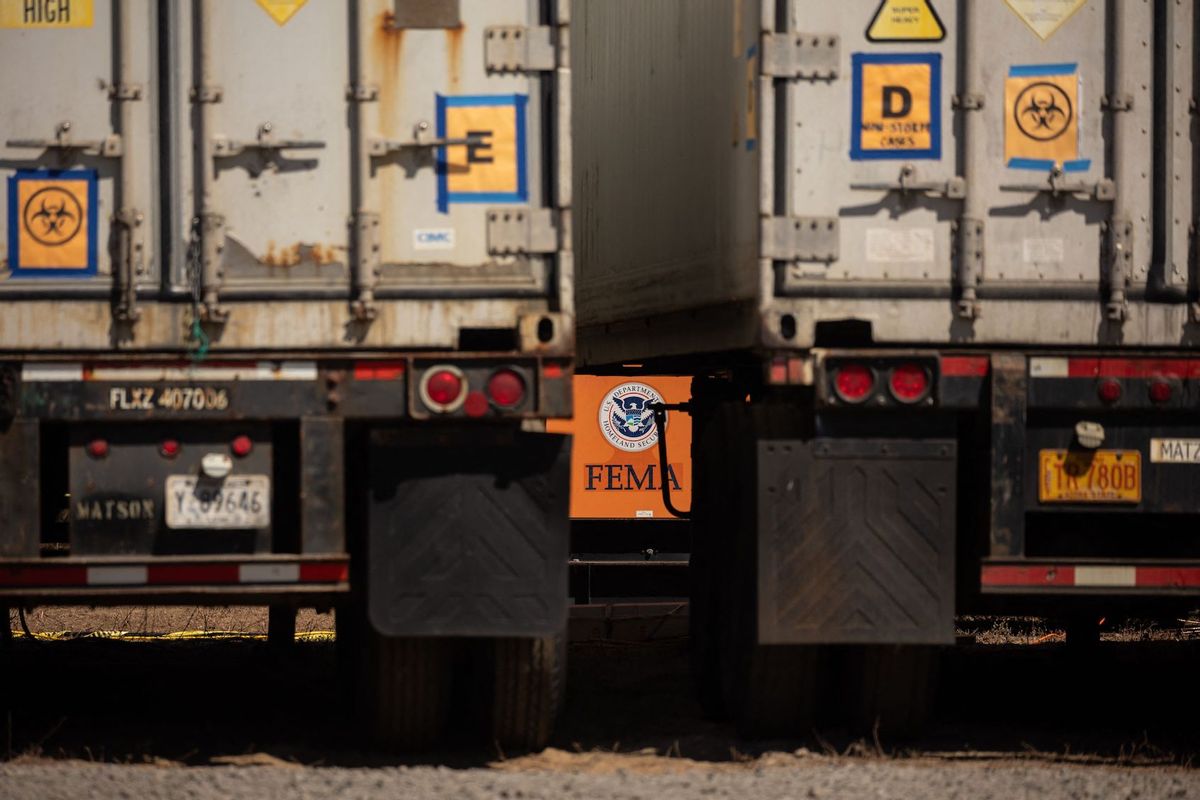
(78, 147)
(870, 167)
(457, 154)
(970, 152)
(263, 112)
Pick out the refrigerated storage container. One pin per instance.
(931, 266)
(285, 302)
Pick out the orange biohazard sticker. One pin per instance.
(52, 223)
(615, 471)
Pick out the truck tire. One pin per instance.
(767, 690)
(407, 692)
(891, 688)
(528, 693)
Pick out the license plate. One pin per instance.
(1092, 476)
(238, 501)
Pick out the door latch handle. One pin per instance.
(1057, 185)
(422, 140)
(110, 146)
(909, 183)
(265, 142)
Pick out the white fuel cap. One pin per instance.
(216, 465)
(1090, 434)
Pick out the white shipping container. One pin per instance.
(998, 172)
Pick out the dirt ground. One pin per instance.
(1018, 714)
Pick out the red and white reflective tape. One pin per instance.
(964, 366)
(61, 372)
(1089, 576)
(1055, 367)
(225, 573)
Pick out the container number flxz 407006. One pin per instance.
(168, 398)
(238, 501)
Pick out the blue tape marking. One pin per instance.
(751, 145)
(445, 197)
(1046, 164)
(14, 222)
(1041, 70)
(751, 51)
(934, 61)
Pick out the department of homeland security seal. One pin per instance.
(626, 419)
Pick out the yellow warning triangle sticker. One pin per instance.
(906, 21)
(281, 10)
(1044, 17)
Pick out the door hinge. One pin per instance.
(801, 238)
(968, 244)
(1119, 267)
(129, 263)
(809, 56)
(368, 259)
(212, 266)
(513, 48)
(521, 230)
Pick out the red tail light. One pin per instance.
(853, 382)
(909, 383)
(169, 448)
(506, 388)
(97, 448)
(241, 446)
(1109, 390)
(444, 388)
(1161, 391)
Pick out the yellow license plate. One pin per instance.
(1090, 476)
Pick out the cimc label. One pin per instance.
(488, 165)
(896, 107)
(45, 13)
(52, 223)
(1041, 128)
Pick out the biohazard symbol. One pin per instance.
(1043, 111)
(53, 216)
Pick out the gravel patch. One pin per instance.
(820, 778)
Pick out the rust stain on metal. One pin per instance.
(454, 42)
(387, 50)
(299, 253)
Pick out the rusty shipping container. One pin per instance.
(285, 302)
(931, 265)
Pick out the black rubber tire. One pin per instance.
(767, 690)
(530, 680)
(407, 695)
(891, 689)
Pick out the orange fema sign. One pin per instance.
(614, 460)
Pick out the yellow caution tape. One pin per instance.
(133, 636)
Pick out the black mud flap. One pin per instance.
(468, 532)
(856, 541)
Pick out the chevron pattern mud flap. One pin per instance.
(856, 541)
(468, 536)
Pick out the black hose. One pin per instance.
(660, 423)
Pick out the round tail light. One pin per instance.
(444, 389)
(169, 448)
(853, 383)
(97, 448)
(909, 383)
(1161, 391)
(1109, 390)
(241, 446)
(506, 388)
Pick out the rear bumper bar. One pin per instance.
(1090, 578)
